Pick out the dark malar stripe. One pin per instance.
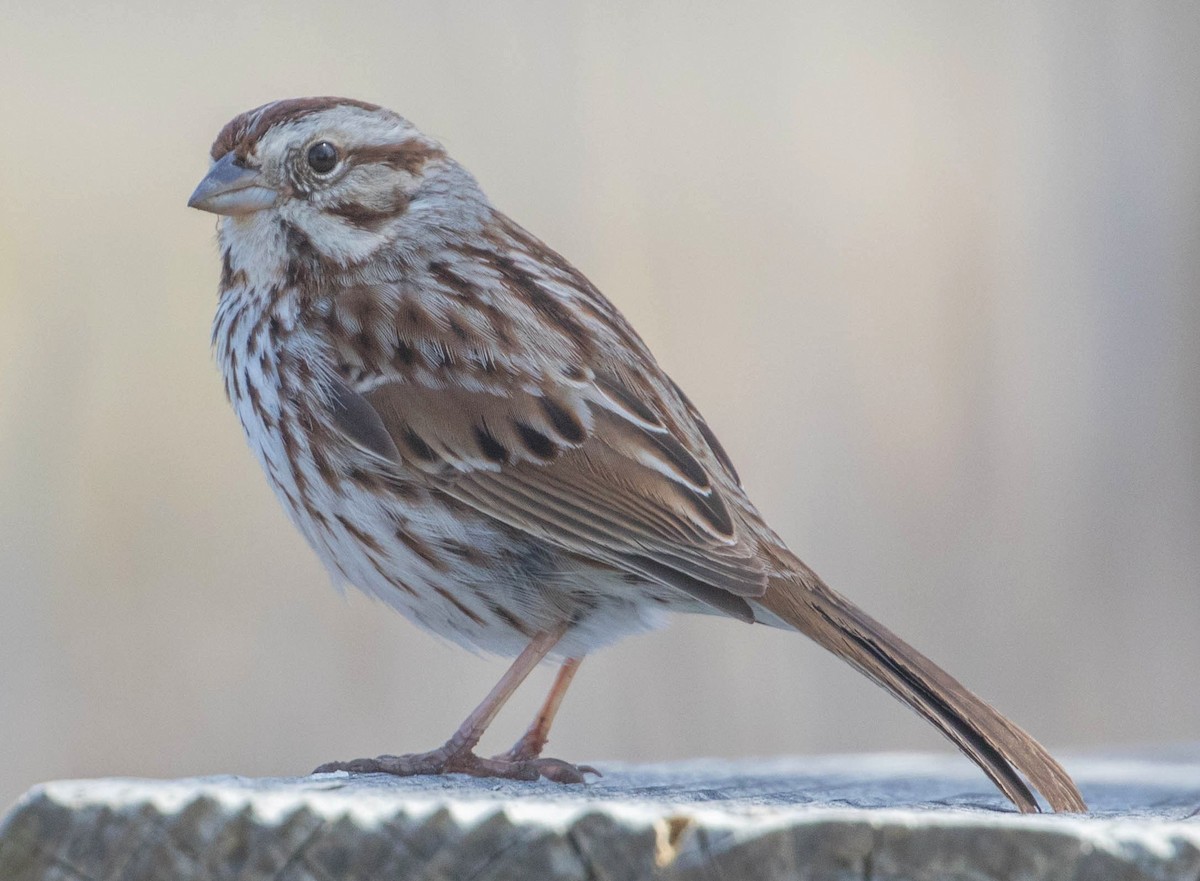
(304, 260)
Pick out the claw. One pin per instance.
(558, 771)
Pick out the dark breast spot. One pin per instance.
(507, 617)
(415, 544)
(464, 552)
(364, 538)
(454, 601)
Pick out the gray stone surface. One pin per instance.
(868, 817)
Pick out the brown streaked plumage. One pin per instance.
(465, 428)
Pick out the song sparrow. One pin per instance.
(464, 427)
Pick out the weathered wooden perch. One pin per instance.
(868, 817)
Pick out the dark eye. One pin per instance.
(322, 157)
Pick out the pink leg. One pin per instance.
(481, 717)
(533, 741)
(456, 756)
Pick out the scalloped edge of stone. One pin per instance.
(215, 828)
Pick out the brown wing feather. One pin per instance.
(559, 464)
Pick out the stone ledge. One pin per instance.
(854, 817)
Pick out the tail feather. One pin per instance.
(1002, 750)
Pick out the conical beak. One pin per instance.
(232, 189)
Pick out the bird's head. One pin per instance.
(341, 177)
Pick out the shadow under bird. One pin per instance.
(462, 426)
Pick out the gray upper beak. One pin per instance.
(232, 189)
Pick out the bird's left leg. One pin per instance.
(529, 747)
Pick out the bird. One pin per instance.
(463, 427)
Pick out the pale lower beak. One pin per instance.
(232, 189)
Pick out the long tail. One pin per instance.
(1001, 749)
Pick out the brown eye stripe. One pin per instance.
(410, 156)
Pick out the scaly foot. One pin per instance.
(443, 761)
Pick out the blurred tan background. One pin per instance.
(931, 269)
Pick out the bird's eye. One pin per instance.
(322, 157)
